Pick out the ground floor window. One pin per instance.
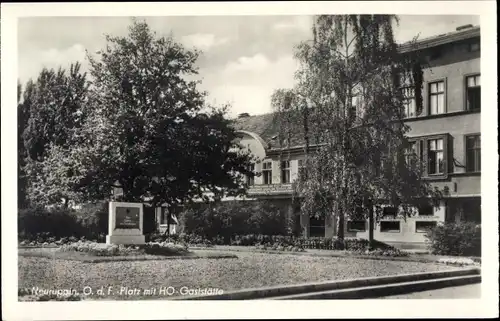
(390, 226)
(356, 226)
(472, 210)
(317, 227)
(424, 226)
(465, 210)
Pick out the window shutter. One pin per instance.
(424, 156)
(449, 154)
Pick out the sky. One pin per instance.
(245, 58)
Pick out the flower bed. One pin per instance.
(286, 243)
(45, 240)
(167, 245)
(99, 249)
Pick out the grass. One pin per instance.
(248, 270)
(422, 258)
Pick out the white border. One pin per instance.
(485, 307)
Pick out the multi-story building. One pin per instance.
(446, 135)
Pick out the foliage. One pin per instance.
(284, 243)
(42, 225)
(349, 109)
(50, 110)
(186, 239)
(52, 223)
(99, 249)
(457, 239)
(148, 131)
(224, 219)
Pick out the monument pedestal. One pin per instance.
(125, 223)
(125, 239)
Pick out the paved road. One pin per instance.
(472, 291)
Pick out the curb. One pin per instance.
(279, 291)
(386, 289)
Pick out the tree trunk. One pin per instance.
(167, 212)
(340, 232)
(371, 224)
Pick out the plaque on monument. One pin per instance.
(127, 217)
(125, 223)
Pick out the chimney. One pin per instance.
(464, 27)
(243, 115)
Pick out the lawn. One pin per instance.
(248, 270)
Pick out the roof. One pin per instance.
(442, 39)
(266, 126)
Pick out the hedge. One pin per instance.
(226, 219)
(270, 241)
(41, 224)
(456, 239)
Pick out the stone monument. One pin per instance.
(125, 223)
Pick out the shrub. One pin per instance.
(457, 239)
(221, 221)
(40, 224)
(94, 221)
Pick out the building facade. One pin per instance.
(446, 135)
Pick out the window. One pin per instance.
(406, 78)
(285, 172)
(390, 211)
(436, 97)
(390, 226)
(473, 92)
(411, 154)
(473, 153)
(424, 226)
(317, 226)
(472, 210)
(409, 102)
(267, 173)
(435, 154)
(356, 226)
(250, 179)
(425, 210)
